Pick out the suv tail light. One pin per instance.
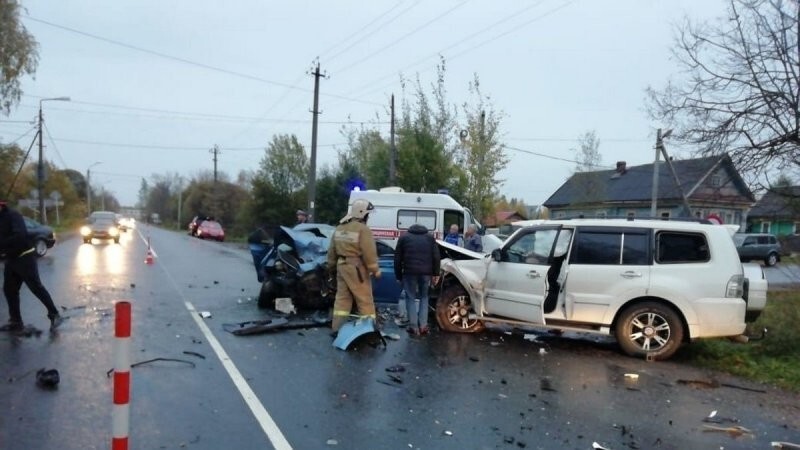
(735, 288)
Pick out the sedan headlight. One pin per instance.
(85, 231)
(113, 231)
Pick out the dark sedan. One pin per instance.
(42, 236)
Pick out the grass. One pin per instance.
(774, 360)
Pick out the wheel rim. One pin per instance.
(41, 248)
(458, 313)
(772, 260)
(650, 331)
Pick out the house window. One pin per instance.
(664, 215)
(560, 215)
(716, 181)
(698, 213)
(601, 214)
(765, 226)
(631, 214)
(796, 228)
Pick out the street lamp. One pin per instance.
(89, 187)
(40, 169)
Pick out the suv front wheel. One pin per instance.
(453, 309)
(649, 329)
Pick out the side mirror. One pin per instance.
(497, 255)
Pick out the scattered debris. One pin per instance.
(632, 376)
(72, 308)
(542, 351)
(494, 343)
(448, 433)
(713, 384)
(47, 379)
(396, 368)
(735, 431)
(205, 314)
(395, 378)
(387, 383)
(216, 282)
(141, 363)
(391, 336)
(531, 337)
(545, 385)
(285, 305)
(187, 352)
(597, 446)
(474, 358)
(133, 285)
(713, 418)
(332, 442)
(785, 445)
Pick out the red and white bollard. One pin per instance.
(120, 417)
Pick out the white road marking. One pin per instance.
(144, 239)
(260, 413)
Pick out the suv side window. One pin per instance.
(611, 246)
(531, 248)
(763, 240)
(677, 247)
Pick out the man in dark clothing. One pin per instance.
(21, 267)
(416, 260)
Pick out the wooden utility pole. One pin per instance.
(312, 172)
(392, 150)
(654, 194)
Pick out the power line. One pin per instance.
(396, 41)
(55, 147)
(357, 32)
(555, 139)
(189, 62)
(165, 147)
(13, 141)
(531, 152)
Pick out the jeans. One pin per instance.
(416, 287)
(20, 270)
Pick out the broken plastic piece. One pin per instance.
(542, 351)
(634, 376)
(448, 433)
(531, 337)
(785, 445)
(351, 331)
(284, 305)
(205, 314)
(48, 379)
(597, 446)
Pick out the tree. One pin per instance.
(588, 178)
(484, 155)
(279, 186)
(740, 89)
(19, 54)
(587, 154)
(10, 160)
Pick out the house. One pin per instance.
(712, 185)
(777, 212)
(501, 218)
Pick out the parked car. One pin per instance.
(42, 236)
(210, 229)
(101, 225)
(195, 222)
(765, 247)
(653, 284)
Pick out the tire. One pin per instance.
(651, 330)
(771, 259)
(41, 247)
(116, 240)
(452, 311)
(266, 297)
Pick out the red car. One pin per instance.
(210, 229)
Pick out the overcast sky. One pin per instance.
(154, 84)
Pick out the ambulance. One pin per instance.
(396, 210)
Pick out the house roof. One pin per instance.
(635, 184)
(778, 203)
(503, 217)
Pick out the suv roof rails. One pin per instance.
(631, 219)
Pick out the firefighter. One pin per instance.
(353, 256)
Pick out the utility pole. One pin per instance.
(180, 200)
(215, 151)
(312, 172)
(654, 195)
(392, 150)
(40, 172)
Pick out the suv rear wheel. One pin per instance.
(649, 329)
(453, 309)
(771, 259)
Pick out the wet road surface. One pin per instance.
(487, 391)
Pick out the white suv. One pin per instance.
(653, 284)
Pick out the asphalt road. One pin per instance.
(292, 389)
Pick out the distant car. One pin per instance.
(42, 236)
(196, 221)
(101, 225)
(210, 229)
(761, 246)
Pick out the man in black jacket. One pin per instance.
(21, 267)
(416, 260)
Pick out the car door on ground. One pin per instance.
(515, 285)
(606, 266)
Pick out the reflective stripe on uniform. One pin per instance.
(347, 236)
(30, 250)
(340, 312)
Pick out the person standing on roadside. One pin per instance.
(21, 267)
(472, 240)
(353, 256)
(302, 217)
(453, 237)
(416, 264)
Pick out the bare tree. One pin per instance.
(738, 91)
(587, 156)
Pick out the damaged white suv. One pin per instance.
(652, 284)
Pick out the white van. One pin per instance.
(396, 210)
